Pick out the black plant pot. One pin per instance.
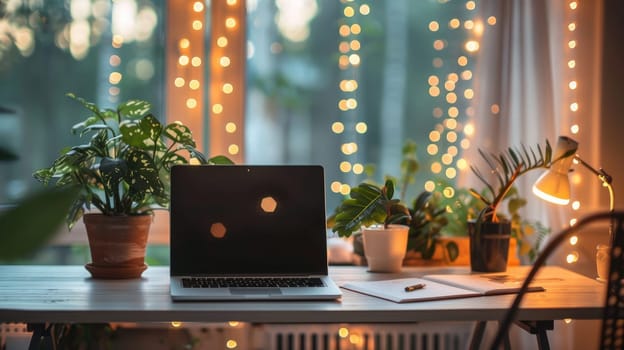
(489, 246)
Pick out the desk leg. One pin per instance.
(41, 337)
(538, 328)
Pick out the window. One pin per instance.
(333, 82)
(103, 51)
(345, 83)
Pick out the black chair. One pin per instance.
(612, 334)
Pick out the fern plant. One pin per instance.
(506, 167)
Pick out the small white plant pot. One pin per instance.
(385, 248)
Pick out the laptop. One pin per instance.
(241, 232)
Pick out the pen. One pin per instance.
(414, 287)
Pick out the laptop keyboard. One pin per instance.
(250, 282)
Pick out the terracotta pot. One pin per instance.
(117, 245)
(489, 246)
(385, 248)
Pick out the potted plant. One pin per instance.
(489, 233)
(122, 173)
(428, 220)
(374, 211)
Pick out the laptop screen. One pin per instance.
(248, 220)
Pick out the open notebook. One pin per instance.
(437, 287)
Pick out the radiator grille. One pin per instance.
(429, 336)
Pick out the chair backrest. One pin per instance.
(613, 317)
(612, 334)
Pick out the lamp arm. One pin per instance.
(601, 173)
(606, 181)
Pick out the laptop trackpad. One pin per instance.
(255, 291)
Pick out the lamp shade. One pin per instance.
(554, 185)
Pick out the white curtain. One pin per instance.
(523, 97)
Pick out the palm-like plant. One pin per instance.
(506, 167)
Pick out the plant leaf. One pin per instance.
(452, 250)
(179, 133)
(30, 224)
(134, 108)
(362, 208)
(142, 176)
(142, 133)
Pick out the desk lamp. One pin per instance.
(554, 185)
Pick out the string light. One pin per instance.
(347, 126)
(226, 90)
(451, 88)
(573, 109)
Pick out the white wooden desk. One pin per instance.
(37, 294)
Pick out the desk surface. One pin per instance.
(68, 294)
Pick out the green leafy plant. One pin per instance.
(427, 216)
(506, 167)
(369, 204)
(428, 219)
(424, 217)
(124, 167)
(528, 234)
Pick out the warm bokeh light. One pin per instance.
(114, 60)
(230, 127)
(337, 127)
(345, 166)
(434, 136)
(429, 186)
(227, 88)
(343, 332)
(364, 10)
(191, 103)
(361, 127)
(472, 46)
(358, 168)
(184, 43)
(572, 258)
(194, 84)
(183, 60)
(233, 149)
(197, 25)
(114, 78)
(434, 26)
(230, 23)
(222, 41)
(198, 6)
